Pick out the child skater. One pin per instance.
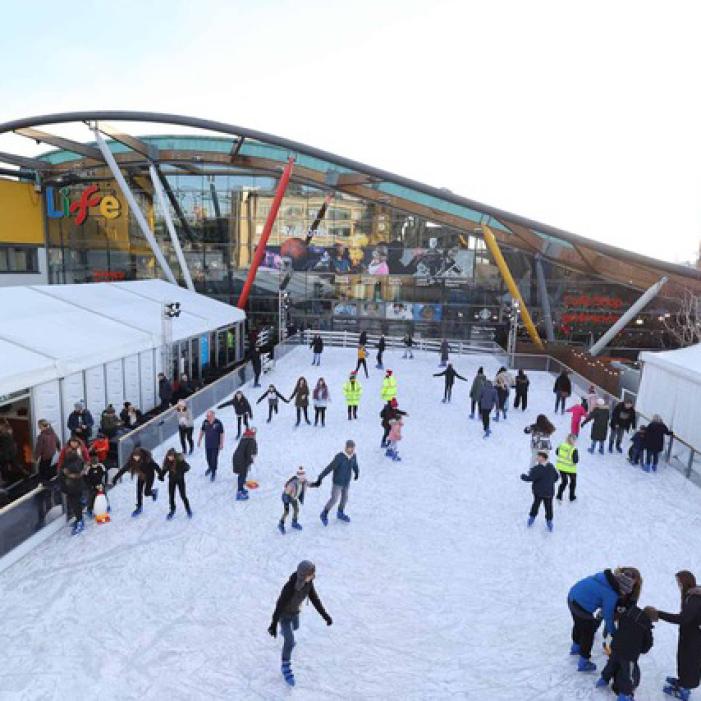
(293, 495)
(637, 448)
(543, 475)
(175, 466)
(578, 411)
(321, 399)
(272, 396)
(94, 478)
(395, 435)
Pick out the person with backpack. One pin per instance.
(540, 433)
(292, 496)
(212, 430)
(72, 472)
(317, 346)
(342, 466)
(623, 418)
(566, 464)
(654, 442)
(141, 464)
(476, 390)
(175, 466)
(408, 342)
(562, 390)
(242, 409)
(543, 476)
(381, 345)
(301, 396)
(352, 390)
(488, 400)
(321, 398)
(242, 459)
(599, 428)
(522, 384)
(362, 354)
(298, 588)
(450, 373)
(273, 397)
(74, 445)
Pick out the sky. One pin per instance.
(584, 116)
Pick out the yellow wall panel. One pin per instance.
(21, 217)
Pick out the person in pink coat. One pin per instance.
(395, 435)
(578, 412)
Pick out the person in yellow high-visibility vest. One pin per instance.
(352, 390)
(566, 464)
(389, 387)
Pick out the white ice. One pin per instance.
(437, 589)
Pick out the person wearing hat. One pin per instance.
(243, 458)
(352, 389)
(601, 591)
(298, 588)
(476, 390)
(390, 411)
(342, 466)
(450, 373)
(80, 422)
(543, 476)
(388, 390)
(293, 495)
(600, 426)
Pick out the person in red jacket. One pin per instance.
(74, 445)
(578, 411)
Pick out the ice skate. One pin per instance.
(601, 683)
(281, 527)
(342, 517)
(395, 457)
(324, 516)
(530, 522)
(549, 525)
(287, 673)
(78, 527)
(625, 697)
(677, 692)
(296, 525)
(584, 665)
(170, 515)
(575, 649)
(241, 496)
(154, 494)
(136, 512)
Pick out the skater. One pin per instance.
(578, 411)
(186, 425)
(243, 458)
(321, 397)
(212, 430)
(488, 400)
(599, 427)
(317, 346)
(562, 390)
(342, 465)
(444, 350)
(566, 464)
(633, 638)
(141, 464)
(637, 447)
(299, 586)
(689, 645)
(388, 391)
(540, 433)
(45, 450)
(175, 466)
(293, 495)
(543, 475)
(522, 383)
(80, 422)
(242, 409)
(395, 435)
(72, 482)
(600, 591)
(408, 344)
(450, 374)
(590, 398)
(352, 390)
(256, 365)
(165, 391)
(623, 418)
(95, 479)
(273, 396)
(301, 396)
(389, 412)
(502, 382)
(362, 354)
(476, 390)
(363, 338)
(74, 445)
(381, 344)
(654, 442)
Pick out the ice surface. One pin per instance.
(436, 588)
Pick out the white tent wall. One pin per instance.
(115, 383)
(132, 382)
(148, 380)
(46, 404)
(95, 391)
(72, 391)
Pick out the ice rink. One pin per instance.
(437, 589)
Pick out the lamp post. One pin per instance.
(513, 332)
(170, 311)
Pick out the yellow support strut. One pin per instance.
(494, 249)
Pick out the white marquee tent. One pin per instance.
(96, 342)
(671, 387)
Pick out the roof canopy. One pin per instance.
(251, 149)
(51, 331)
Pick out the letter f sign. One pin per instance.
(88, 198)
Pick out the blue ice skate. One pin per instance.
(324, 516)
(296, 525)
(496, 418)
(281, 527)
(549, 524)
(530, 522)
(584, 665)
(389, 453)
(575, 649)
(189, 513)
(672, 680)
(601, 449)
(241, 496)
(646, 468)
(625, 697)
(136, 512)
(472, 416)
(154, 494)
(342, 517)
(677, 692)
(78, 527)
(395, 457)
(287, 673)
(170, 515)
(487, 433)
(601, 683)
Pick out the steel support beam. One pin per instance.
(23, 161)
(136, 210)
(628, 315)
(319, 218)
(544, 299)
(227, 244)
(60, 142)
(160, 195)
(147, 150)
(175, 204)
(236, 149)
(494, 249)
(260, 249)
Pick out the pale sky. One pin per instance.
(585, 116)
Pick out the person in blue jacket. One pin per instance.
(342, 466)
(601, 591)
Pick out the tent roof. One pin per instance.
(684, 361)
(50, 331)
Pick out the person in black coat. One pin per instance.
(141, 464)
(298, 588)
(317, 346)
(242, 459)
(390, 411)
(522, 383)
(633, 638)
(381, 345)
(273, 396)
(363, 339)
(562, 389)
(242, 409)
(600, 418)
(183, 390)
(689, 646)
(165, 391)
(654, 442)
(175, 466)
(623, 418)
(543, 475)
(408, 344)
(254, 357)
(450, 374)
(301, 396)
(94, 478)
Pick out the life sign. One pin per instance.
(108, 206)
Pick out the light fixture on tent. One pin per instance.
(171, 310)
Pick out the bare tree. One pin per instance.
(685, 324)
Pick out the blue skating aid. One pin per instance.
(296, 526)
(342, 517)
(584, 665)
(287, 673)
(281, 527)
(136, 512)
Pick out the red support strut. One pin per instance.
(260, 248)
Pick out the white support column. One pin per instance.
(138, 214)
(636, 307)
(160, 194)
